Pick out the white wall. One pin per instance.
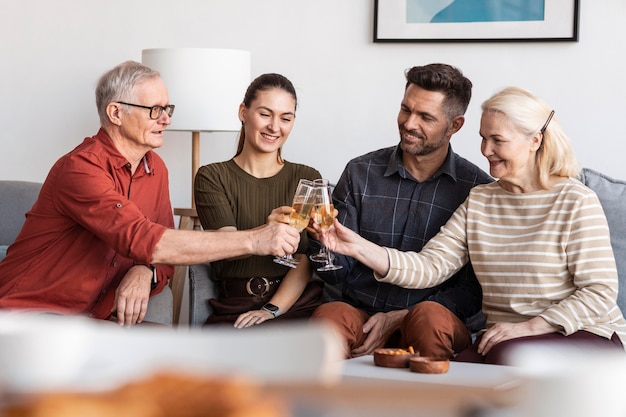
(349, 87)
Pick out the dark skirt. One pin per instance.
(226, 310)
(499, 354)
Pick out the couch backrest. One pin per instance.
(16, 198)
(612, 195)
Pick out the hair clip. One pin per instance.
(545, 126)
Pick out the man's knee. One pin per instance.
(348, 320)
(426, 309)
(323, 311)
(433, 329)
(336, 311)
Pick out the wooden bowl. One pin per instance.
(392, 358)
(429, 365)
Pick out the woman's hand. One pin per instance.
(279, 215)
(345, 241)
(252, 318)
(501, 332)
(340, 239)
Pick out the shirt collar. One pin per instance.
(395, 165)
(119, 161)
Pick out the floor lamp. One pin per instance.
(207, 86)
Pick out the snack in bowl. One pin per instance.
(160, 395)
(393, 358)
(429, 365)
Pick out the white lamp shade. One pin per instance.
(205, 85)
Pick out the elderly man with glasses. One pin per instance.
(99, 241)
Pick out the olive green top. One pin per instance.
(226, 195)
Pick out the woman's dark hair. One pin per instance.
(447, 80)
(264, 82)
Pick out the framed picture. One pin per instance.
(475, 20)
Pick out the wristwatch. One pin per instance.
(272, 309)
(155, 280)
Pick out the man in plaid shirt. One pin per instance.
(399, 197)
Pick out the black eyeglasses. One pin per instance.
(155, 111)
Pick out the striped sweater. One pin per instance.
(546, 253)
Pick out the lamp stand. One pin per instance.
(195, 162)
(188, 221)
(189, 216)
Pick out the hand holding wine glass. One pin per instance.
(324, 217)
(342, 239)
(300, 215)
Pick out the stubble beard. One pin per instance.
(421, 148)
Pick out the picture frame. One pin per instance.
(476, 20)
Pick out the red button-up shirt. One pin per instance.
(92, 222)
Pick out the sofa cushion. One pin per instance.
(612, 195)
(161, 308)
(201, 289)
(17, 198)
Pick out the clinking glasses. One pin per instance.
(155, 111)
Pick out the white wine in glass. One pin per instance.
(324, 216)
(299, 216)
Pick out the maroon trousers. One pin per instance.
(499, 354)
(429, 327)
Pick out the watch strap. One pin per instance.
(271, 308)
(155, 279)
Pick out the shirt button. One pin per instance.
(118, 205)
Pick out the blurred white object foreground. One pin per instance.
(574, 382)
(41, 352)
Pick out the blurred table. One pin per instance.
(366, 390)
(471, 375)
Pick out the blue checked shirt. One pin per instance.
(380, 200)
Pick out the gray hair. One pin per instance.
(118, 83)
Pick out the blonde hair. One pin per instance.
(529, 115)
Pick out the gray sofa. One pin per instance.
(612, 195)
(17, 197)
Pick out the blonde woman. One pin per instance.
(537, 238)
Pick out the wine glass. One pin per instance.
(300, 215)
(324, 216)
(320, 256)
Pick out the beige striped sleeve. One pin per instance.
(440, 258)
(591, 263)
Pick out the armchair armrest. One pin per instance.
(201, 289)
